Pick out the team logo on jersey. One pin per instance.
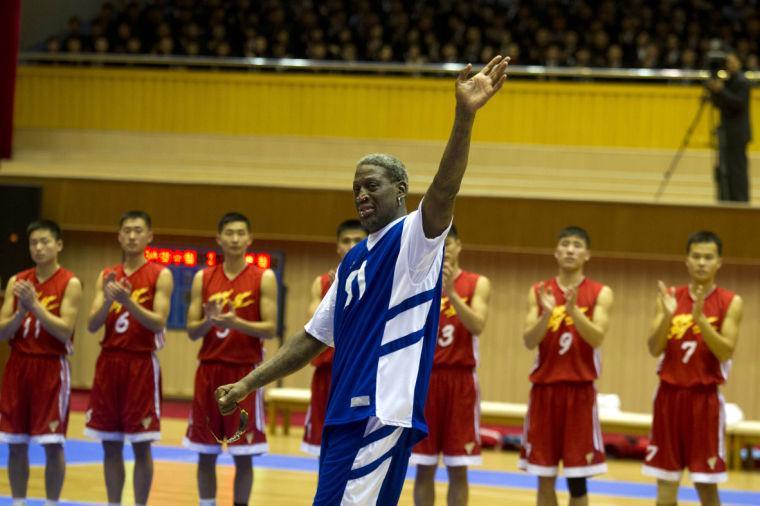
(559, 316)
(469, 447)
(711, 462)
(54, 425)
(48, 302)
(249, 437)
(146, 422)
(240, 300)
(681, 323)
(138, 295)
(447, 310)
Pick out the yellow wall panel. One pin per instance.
(555, 113)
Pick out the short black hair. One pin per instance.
(453, 232)
(232, 217)
(574, 230)
(48, 225)
(702, 236)
(349, 225)
(134, 215)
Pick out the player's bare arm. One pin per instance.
(721, 343)
(294, 355)
(152, 319)
(316, 296)
(535, 324)
(666, 307)
(591, 330)
(101, 304)
(199, 315)
(10, 320)
(266, 328)
(61, 327)
(471, 94)
(472, 316)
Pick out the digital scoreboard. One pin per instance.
(184, 262)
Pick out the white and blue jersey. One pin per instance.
(381, 315)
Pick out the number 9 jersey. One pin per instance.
(687, 361)
(563, 355)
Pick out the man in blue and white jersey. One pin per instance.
(381, 315)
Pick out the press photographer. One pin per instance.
(729, 92)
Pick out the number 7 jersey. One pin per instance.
(563, 355)
(686, 360)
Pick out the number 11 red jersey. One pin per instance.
(563, 354)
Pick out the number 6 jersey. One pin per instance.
(687, 361)
(123, 331)
(563, 355)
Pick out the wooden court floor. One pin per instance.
(287, 477)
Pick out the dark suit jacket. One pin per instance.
(733, 102)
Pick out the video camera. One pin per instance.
(716, 63)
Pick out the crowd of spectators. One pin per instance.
(587, 33)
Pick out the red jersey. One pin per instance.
(31, 337)
(241, 294)
(455, 346)
(123, 331)
(563, 354)
(326, 357)
(687, 361)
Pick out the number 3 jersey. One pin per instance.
(31, 337)
(563, 355)
(241, 296)
(381, 315)
(122, 330)
(456, 347)
(686, 360)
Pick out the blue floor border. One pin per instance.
(90, 452)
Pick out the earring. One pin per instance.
(398, 200)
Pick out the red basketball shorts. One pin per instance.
(562, 424)
(452, 413)
(206, 421)
(34, 402)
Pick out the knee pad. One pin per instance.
(667, 493)
(577, 487)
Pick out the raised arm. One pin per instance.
(474, 315)
(535, 325)
(471, 95)
(316, 296)
(152, 319)
(666, 307)
(198, 321)
(294, 355)
(101, 304)
(61, 327)
(10, 320)
(265, 328)
(591, 330)
(721, 342)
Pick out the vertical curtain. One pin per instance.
(10, 20)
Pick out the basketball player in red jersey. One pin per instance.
(567, 320)
(452, 409)
(233, 307)
(132, 302)
(349, 234)
(694, 333)
(38, 315)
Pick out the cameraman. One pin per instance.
(731, 96)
